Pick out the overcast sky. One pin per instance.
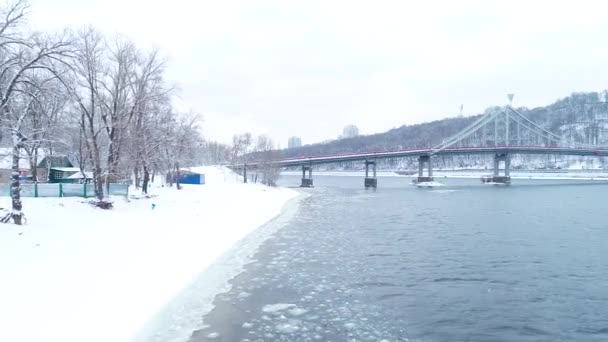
(308, 68)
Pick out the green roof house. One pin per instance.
(56, 169)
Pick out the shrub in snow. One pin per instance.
(101, 204)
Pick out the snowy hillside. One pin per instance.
(580, 117)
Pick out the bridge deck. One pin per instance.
(313, 160)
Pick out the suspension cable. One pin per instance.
(519, 119)
(481, 122)
(561, 139)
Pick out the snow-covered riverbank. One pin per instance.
(525, 175)
(77, 273)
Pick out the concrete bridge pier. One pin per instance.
(422, 160)
(245, 173)
(306, 181)
(505, 178)
(370, 182)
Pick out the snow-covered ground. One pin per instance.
(519, 174)
(77, 273)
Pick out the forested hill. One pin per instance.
(582, 117)
(404, 137)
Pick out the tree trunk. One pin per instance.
(136, 175)
(177, 176)
(110, 165)
(35, 166)
(146, 180)
(48, 170)
(169, 179)
(98, 179)
(97, 173)
(95, 155)
(15, 186)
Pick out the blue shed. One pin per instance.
(188, 177)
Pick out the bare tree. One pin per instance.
(151, 106)
(148, 139)
(50, 97)
(22, 58)
(107, 105)
(216, 153)
(184, 140)
(118, 103)
(125, 88)
(265, 148)
(240, 146)
(85, 89)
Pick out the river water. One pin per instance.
(464, 262)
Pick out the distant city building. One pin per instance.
(294, 142)
(350, 131)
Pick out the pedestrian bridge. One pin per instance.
(502, 133)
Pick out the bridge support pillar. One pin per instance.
(505, 178)
(370, 182)
(306, 181)
(422, 160)
(245, 173)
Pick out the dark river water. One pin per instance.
(464, 262)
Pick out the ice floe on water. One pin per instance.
(427, 184)
(350, 326)
(275, 308)
(243, 295)
(297, 311)
(213, 335)
(287, 328)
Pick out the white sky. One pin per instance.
(308, 68)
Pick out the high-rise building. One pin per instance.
(350, 131)
(294, 142)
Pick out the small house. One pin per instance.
(55, 168)
(63, 174)
(191, 177)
